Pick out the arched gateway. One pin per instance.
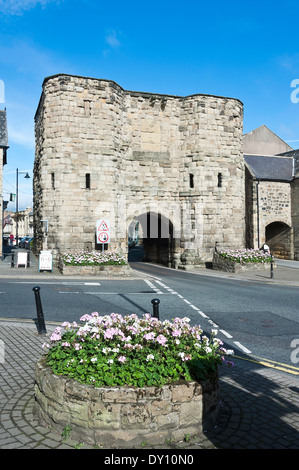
(105, 152)
(279, 237)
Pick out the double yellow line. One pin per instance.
(273, 364)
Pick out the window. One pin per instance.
(219, 180)
(87, 181)
(191, 180)
(87, 111)
(53, 180)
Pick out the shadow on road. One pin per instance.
(257, 412)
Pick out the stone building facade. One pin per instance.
(295, 202)
(269, 180)
(174, 164)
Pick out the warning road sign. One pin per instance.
(103, 226)
(103, 231)
(103, 237)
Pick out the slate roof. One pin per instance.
(3, 130)
(276, 168)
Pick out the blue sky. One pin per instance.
(243, 50)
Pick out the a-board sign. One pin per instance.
(22, 259)
(103, 231)
(45, 261)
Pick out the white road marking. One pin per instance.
(225, 333)
(152, 286)
(68, 292)
(242, 347)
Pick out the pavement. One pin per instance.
(259, 401)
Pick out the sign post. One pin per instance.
(103, 232)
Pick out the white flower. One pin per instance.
(230, 352)
(150, 357)
(110, 361)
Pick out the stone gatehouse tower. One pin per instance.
(174, 164)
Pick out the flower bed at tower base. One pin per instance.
(94, 263)
(226, 265)
(113, 417)
(104, 270)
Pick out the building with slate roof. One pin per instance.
(3, 161)
(271, 166)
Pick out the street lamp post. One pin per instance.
(17, 200)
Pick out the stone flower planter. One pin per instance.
(124, 416)
(100, 270)
(222, 264)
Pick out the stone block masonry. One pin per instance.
(102, 151)
(125, 416)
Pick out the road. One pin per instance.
(255, 319)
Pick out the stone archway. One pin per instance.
(151, 236)
(279, 237)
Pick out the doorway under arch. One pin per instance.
(279, 237)
(150, 238)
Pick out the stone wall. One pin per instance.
(275, 202)
(180, 157)
(222, 264)
(266, 202)
(103, 271)
(295, 215)
(124, 416)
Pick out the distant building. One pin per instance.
(25, 223)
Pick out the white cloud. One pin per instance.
(289, 62)
(21, 136)
(17, 7)
(112, 39)
(30, 60)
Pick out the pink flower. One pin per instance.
(176, 333)
(109, 333)
(161, 340)
(55, 337)
(122, 359)
(149, 336)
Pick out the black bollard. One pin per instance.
(155, 303)
(272, 273)
(41, 327)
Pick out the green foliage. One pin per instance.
(93, 258)
(246, 256)
(113, 350)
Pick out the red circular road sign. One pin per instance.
(103, 237)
